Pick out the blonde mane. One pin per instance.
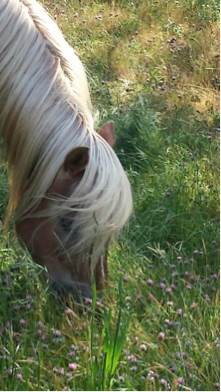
(45, 112)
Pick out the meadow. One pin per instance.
(153, 68)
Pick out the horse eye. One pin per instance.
(66, 224)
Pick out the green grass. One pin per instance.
(153, 69)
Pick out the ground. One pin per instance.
(153, 69)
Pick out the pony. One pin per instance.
(69, 194)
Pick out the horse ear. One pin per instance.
(76, 160)
(108, 133)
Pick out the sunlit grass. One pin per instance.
(153, 69)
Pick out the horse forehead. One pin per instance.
(61, 186)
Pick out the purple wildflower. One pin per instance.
(133, 368)
(132, 358)
(68, 311)
(87, 300)
(143, 347)
(161, 335)
(23, 322)
(57, 333)
(179, 312)
(72, 366)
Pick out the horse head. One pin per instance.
(50, 237)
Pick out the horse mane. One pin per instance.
(46, 111)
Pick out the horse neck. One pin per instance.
(42, 114)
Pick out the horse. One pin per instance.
(69, 194)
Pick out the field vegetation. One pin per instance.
(153, 68)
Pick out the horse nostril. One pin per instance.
(81, 293)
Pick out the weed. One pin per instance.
(154, 69)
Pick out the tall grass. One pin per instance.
(153, 69)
